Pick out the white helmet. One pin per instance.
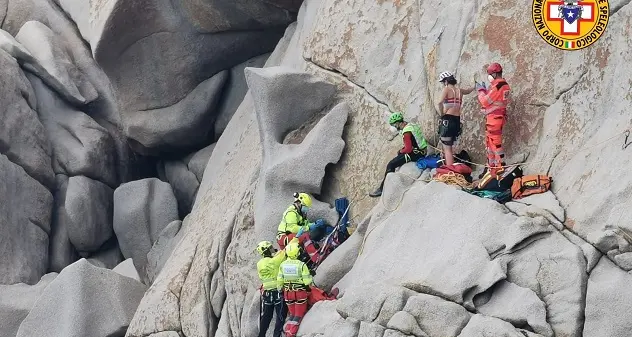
(445, 75)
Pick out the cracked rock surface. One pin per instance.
(527, 269)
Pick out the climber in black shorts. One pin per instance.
(450, 109)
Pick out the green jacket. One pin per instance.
(268, 268)
(417, 134)
(293, 272)
(292, 221)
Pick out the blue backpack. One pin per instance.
(431, 161)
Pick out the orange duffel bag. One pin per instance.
(530, 184)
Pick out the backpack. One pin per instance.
(490, 183)
(459, 168)
(530, 184)
(464, 158)
(500, 197)
(431, 161)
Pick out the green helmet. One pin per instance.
(395, 117)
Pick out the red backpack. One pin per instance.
(456, 168)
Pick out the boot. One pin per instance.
(376, 193)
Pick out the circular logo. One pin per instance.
(570, 25)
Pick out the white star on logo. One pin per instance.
(570, 14)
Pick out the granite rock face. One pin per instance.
(26, 225)
(22, 136)
(17, 300)
(84, 300)
(142, 209)
(289, 168)
(89, 208)
(60, 72)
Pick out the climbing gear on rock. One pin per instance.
(492, 183)
(444, 75)
(395, 117)
(459, 168)
(529, 185)
(452, 178)
(316, 295)
(263, 247)
(430, 161)
(494, 68)
(304, 198)
(499, 196)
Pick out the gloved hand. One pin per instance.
(300, 232)
(481, 86)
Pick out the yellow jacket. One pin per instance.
(268, 268)
(292, 221)
(293, 272)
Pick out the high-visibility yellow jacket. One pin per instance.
(292, 222)
(293, 272)
(268, 268)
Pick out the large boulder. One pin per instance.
(61, 74)
(183, 181)
(22, 136)
(16, 301)
(184, 124)
(89, 209)
(103, 110)
(156, 86)
(142, 209)
(25, 211)
(279, 112)
(80, 145)
(84, 300)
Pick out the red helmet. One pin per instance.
(494, 68)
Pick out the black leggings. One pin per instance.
(272, 301)
(400, 160)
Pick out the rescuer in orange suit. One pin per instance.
(494, 101)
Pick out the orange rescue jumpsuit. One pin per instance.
(494, 102)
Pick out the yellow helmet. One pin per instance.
(263, 246)
(293, 249)
(304, 198)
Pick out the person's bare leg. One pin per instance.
(449, 156)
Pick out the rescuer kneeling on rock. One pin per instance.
(271, 297)
(414, 147)
(294, 278)
(295, 224)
